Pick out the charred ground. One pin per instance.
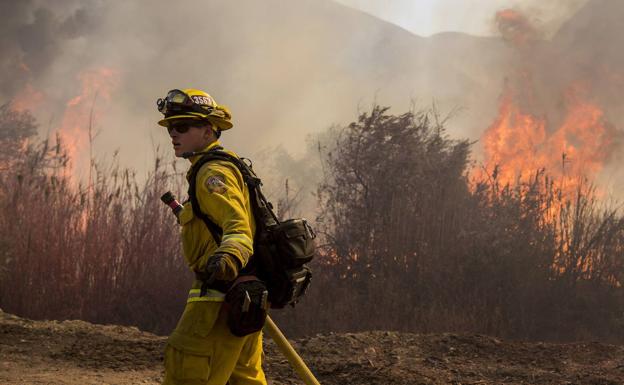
(77, 352)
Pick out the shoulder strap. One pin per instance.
(214, 229)
(262, 208)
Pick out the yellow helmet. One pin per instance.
(193, 104)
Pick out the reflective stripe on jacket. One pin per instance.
(210, 296)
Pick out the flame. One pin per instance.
(520, 143)
(82, 111)
(585, 138)
(515, 27)
(514, 141)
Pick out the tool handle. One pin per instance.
(170, 200)
(289, 352)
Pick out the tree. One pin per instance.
(391, 183)
(16, 127)
(393, 187)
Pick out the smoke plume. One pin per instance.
(287, 69)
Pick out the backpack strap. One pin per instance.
(214, 229)
(261, 207)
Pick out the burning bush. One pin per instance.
(410, 246)
(409, 242)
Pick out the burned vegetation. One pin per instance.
(411, 241)
(416, 240)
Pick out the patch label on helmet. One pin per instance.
(203, 100)
(216, 184)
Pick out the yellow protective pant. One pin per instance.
(203, 351)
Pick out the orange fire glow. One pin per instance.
(521, 143)
(515, 27)
(83, 111)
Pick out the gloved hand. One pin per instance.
(220, 267)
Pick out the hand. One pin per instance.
(220, 267)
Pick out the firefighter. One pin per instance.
(202, 350)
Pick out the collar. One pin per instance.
(212, 145)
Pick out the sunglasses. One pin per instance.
(183, 126)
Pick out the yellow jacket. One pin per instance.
(224, 197)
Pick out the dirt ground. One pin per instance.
(76, 352)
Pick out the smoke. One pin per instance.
(32, 38)
(285, 69)
(559, 106)
(516, 28)
(589, 45)
(544, 18)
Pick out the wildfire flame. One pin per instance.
(515, 27)
(520, 143)
(83, 111)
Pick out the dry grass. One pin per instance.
(108, 252)
(409, 243)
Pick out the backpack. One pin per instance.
(281, 248)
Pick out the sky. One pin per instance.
(475, 17)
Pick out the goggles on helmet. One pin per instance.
(177, 102)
